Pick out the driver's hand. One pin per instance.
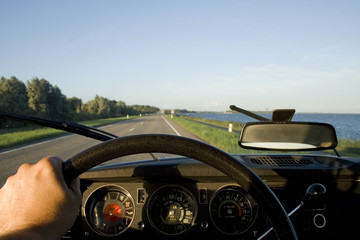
(36, 203)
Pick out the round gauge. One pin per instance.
(110, 211)
(172, 210)
(231, 211)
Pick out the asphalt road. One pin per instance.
(69, 145)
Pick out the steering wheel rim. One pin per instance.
(159, 143)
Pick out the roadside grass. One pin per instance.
(15, 138)
(236, 125)
(222, 139)
(228, 141)
(349, 148)
(20, 136)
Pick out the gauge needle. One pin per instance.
(240, 211)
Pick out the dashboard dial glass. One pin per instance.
(231, 210)
(110, 211)
(172, 210)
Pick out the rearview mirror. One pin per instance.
(298, 136)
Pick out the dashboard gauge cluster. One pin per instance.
(170, 210)
(110, 211)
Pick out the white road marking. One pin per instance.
(177, 133)
(40, 143)
(35, 144)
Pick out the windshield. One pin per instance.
(174, 67)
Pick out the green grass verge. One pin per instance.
(222, 139)
(236, 125)
(20, 136)
(349, 148)
(228, 142)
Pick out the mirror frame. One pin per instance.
(331, 133)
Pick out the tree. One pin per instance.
(102, 107)
(92, 106)
(137, 109)
(58, 106)
(75, 104)
(37, 91)
(40, 98)
(121, 109)
(13, 97)
(112, 105)
(46, 101)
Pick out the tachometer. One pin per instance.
(231, 210)
(110, 210)
(172, 210)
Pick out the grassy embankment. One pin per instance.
(20, 136)
(223, 139)
(228, 141)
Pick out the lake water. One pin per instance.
(347, 125)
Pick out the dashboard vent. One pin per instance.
(281, 161)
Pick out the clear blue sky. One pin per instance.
(195, 55)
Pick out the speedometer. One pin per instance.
(231, 210)
(110, 211)
(172, 210)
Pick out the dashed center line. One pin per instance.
(132, 129)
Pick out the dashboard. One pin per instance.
(184, 198)
(171, 209)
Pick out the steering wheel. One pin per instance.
(158, 143)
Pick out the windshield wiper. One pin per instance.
(65, 126)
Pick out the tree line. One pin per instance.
(39, 98)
